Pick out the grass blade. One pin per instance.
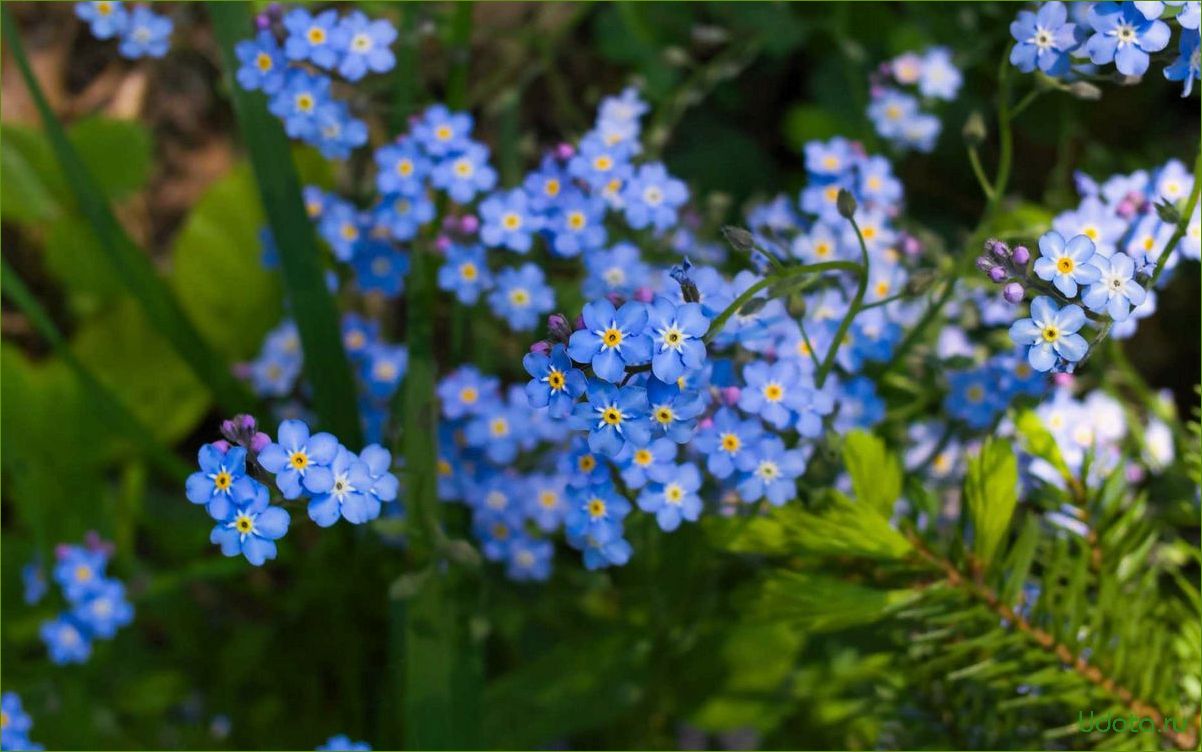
(326, 365)
(130, 263)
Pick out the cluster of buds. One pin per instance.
(1005, 267)
(243, 431)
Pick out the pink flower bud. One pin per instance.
(730, 395)
(1135, 473)
(1013, 293)
(564, 151)
(222, 445)
(644, 294)
(580, 321)
(1021, 255)
(542, 347)
(469, 224)
(1064, 379)
(705, 423)
(442, 243)
(259, 442)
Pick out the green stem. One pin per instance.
(1025, 102)
(852, 311)
(460, 51)
(1191, 204)
(974, 159)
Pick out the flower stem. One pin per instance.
(1182, 224)
(852, 311)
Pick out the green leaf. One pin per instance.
(129, 262)
(117, 152)
(991, 490)
(326, 366)
(32, 184)
(74, 256)
(844, 528)
(817, 603)
(1038, 440)
(876, 474)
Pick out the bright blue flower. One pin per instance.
(830, 159)
(529, 559)
(545, 501)
(576, 224)
(66, 640)
(874, 335)
(495, 530)
(724, 439)
(222, 476)
(612, 339)
(555, 383)
(1066, 265)
(106, 18)
(594, 507)
(677, 337)
(261, 63)
(1018, 377)
(545, 185)
(1147, 240)
(298, 458)
(146, 34)
(521, 296)
(877, 184)
(1123, 35)
(253, 525)
(347, 495)
(819, 199)
(1115, 291)
(342, 227)
(310, 37)
(652, 198)
(383, 368)
(1043, 39)
(618, 117)
(379, 267)
(603, 167)
(637, 464)
(358, 334)
(79, 571)
(1050, 333)
(603, 546)
(343, 743)
(465, 391)
(859, 404)
(495, 429)
(753, 330)
(337, 133)
(618, 270)
(673, 412)
(672, 496)
(613, 416)
(974, 397)
(276, 369)
(14, 731)
(1125, 329)
(770, 390)
(771, 472)
(441, 132)
(713, 290)
(581, 465)
(811, 405)
(104, 610)
(33, 581)
(465, 273)
(465, 174)
(364, 45)
(299, 101)
(402, 168)
(383, 483)
(404, 215)
(506, 220)
(919, 132)
(1186, 68)
(890, 111)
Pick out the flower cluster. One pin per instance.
(15, 725)
(1101, 257)
(293, 72)
(343, 743)
(141, 31)
(336, 482)
(96, 603)
(1124, 34)
(896, 114)
(979, 396)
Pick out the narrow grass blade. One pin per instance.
(103, 399)
(312, 307)
(131, 264)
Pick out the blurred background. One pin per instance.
(221, 654)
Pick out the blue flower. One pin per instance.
(819, 199)
(343, 743)
(1123, 35)
(261, 62)
(581, 465)
(465, 174)
(619, 270)
(611, 339)
(336, 133)
(890, 111)
(310, 37)
(830, 159)
(1050, 333)
(940, 79)
(14, 730)
(724, 439)
(253, 525)
(276, 369)
(521, 296)
(104, 610)
(859, 405)
(1096, 221)
(677, 337)
(364, 45)
(441, 132)
(1018, 377)
(529, 559)
(222, 474)
(347, 494)
(877, 184)
(33, 581)
(66, 641)
(555, 383)
(613, 416)
(652, 197)
(1115, 291)
(1066, 265)
(382, 369)
(507, 221)
(1186, 68)
(402, 168)
(770, 390)
(592, 508)
(380, 268)
(974, 397)
(672, 496)
(298, 458)
(495, 430)
(545, 501)
(404, 215)
(378, 461)
(465, 273)
(673, 412)
(147, 34)
(603, 546)
(465, 391)
(357, 334)
(602, 166)
(637, 464)
(772, 472)
(577, 224)
(821, 243)
(299, 101)
(544, 185)
(106, 18)
(1043, 39)
(342, 227)
(79, 571)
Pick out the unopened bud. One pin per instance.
(468, 224)
(564, 151)
(1084, 90)
(920, 281)
(1013, 293)
(1168, 212)
(559, 328)
(974, 129)
(997, 249)
(542, 347)
(984, 264)
(644, 294)
(222, 445)
(845, 203)
(997, 274)
(1020, 255)
(730, 395)
(741, 240)
(259, 442)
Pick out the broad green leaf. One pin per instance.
(817, 603)
(74, 256)
(991, 490)
(844, 528)
(875, 472)
(758, 658)
(1038, 440)
(32, 185)
(117, 152)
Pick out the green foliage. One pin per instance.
(876, 475)
(809, 601)
(991, 490)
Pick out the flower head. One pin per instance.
(1066, 265)
(1050, 334)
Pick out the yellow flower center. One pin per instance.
(603, 163)
(548, 499)
(443, 133)
(468, 271)
(463, 168)
(444, 467)
(576, 220)
(519, 297)
(586, 463)
(500, 530)
(404, 168)
(663, 415)
(611, 416)
(596, 507)
(1065, 265)
(223, 481)
(1149, 242)
(244, 524)
(556, 379)
(263, 62)
(1090, 232)
(673, 493)
(511, 221)
(304, 102)
(822, 250)
(612, 337)
(830, 162)
(1050, 334)
(551, 187)
(355, 340)
(976, 394)
(83, 573)
(317, 35)
(869, 232)
(642, 457)
(468, 395)
(730, 442)
(773, 392)
(499, 427)
(299, 460)
(103, 9)
(830, 194)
